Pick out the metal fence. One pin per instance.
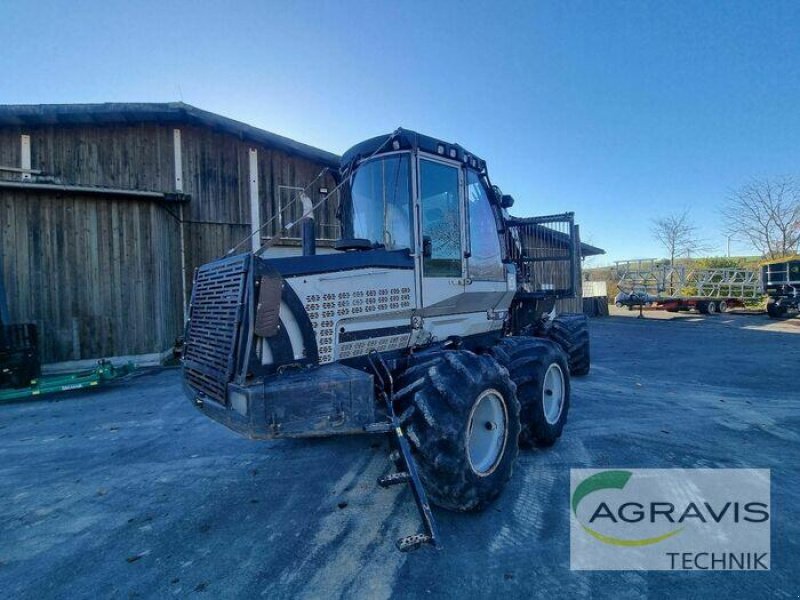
(656, 278)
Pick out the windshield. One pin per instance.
(380, 208)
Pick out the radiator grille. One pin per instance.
(214, 317)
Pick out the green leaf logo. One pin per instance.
(606, 480)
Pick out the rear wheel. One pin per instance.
(462, 418)
(571, 332)
(711, 307)
(774, 310)
(723, 306)
(538, 367)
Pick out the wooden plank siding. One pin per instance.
(216, 175)
(136, 156)
(10, 152)
(97, 275)
(101, 274)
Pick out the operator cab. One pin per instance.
(432, 199)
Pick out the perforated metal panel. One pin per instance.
(214, 317)
(379, 344)
(324, 310)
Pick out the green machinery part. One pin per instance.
(103, 373)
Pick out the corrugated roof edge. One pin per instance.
(164, 112)
(589, 250)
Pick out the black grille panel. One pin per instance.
(217, 303)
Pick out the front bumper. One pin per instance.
(308, 402)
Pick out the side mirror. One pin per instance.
(498, 195)
(427, 246)
(506, 201)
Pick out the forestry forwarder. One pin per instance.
(433, 322)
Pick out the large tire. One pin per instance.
(529, 360)
(571, 332)
(441, 402)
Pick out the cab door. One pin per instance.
(440, 209)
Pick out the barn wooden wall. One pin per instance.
(101, 274)
(216, 175)
(137, 156)
(97, 275)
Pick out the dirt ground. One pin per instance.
(129, 492)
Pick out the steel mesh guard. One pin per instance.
(213, 327)
(545, 250)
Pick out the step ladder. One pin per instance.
(407, 467)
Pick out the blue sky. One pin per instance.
(619, 111)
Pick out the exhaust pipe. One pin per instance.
(308, 236)
(309, 239)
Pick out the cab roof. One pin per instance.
(405, 139)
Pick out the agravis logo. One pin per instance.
(706, 519)
(612, 480)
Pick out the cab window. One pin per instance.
(381, 202)
(485, 261)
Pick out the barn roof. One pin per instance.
(148, 112)
(589, 250)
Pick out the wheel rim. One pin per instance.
(712, 308)
(487, 430)
(723, 306)
(553, 393)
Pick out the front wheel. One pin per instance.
(462, 418)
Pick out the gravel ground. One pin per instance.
(129, 492)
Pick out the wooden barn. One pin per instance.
(106, 209)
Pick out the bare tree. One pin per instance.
(766, 212)
(678, 236)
